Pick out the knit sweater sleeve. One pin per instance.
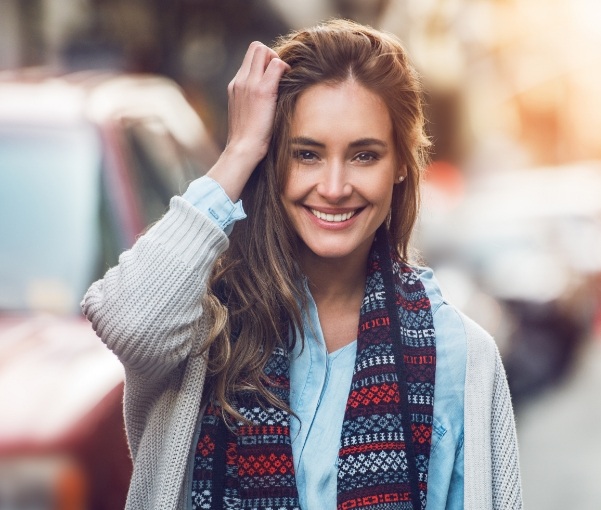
(491, 472)
(147, 308)
(506, 483)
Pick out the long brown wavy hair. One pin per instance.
(256, 293)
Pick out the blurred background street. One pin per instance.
(110, 107)
(560, 440)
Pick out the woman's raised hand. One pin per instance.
(252, 97)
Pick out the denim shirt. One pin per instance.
(320, 384)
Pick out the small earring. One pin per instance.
(401, 178)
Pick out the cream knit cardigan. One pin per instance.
(148, 311)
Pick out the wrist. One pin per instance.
(247, 154)
(233, 168)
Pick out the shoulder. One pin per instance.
(448, 317)
(447, 320)
(451, 342)
(460, 341)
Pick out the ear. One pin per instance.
(401, 174)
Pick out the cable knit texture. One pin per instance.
(148, 311)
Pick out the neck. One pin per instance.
(335, 280)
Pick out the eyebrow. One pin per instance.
(365, 142)
(305, 140)
(361, 142)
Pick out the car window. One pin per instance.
(49, 210)
(160, 165)
(112, 234)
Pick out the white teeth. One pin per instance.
(336, 218)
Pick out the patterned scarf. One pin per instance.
(387, 427)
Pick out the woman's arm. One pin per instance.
(147, 308)
(252, 97)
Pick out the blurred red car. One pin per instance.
(87, 161)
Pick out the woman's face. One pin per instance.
(343, 167)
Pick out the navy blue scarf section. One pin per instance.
(387, 428)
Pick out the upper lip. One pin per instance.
(331, 210)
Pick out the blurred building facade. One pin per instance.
(517, 78)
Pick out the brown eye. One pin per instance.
(304, 156)
(366, 157)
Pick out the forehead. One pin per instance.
(341, 112)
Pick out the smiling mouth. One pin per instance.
(334, 218)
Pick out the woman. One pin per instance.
(305, 363)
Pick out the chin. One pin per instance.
(333, 254)
(338, 249)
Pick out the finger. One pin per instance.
(261, 59)
(247, 61)
(274, 72)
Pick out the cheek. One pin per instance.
(296, 186)
(378, 189)
(384, 199)
(287, 194)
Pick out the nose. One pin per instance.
(334, 185)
